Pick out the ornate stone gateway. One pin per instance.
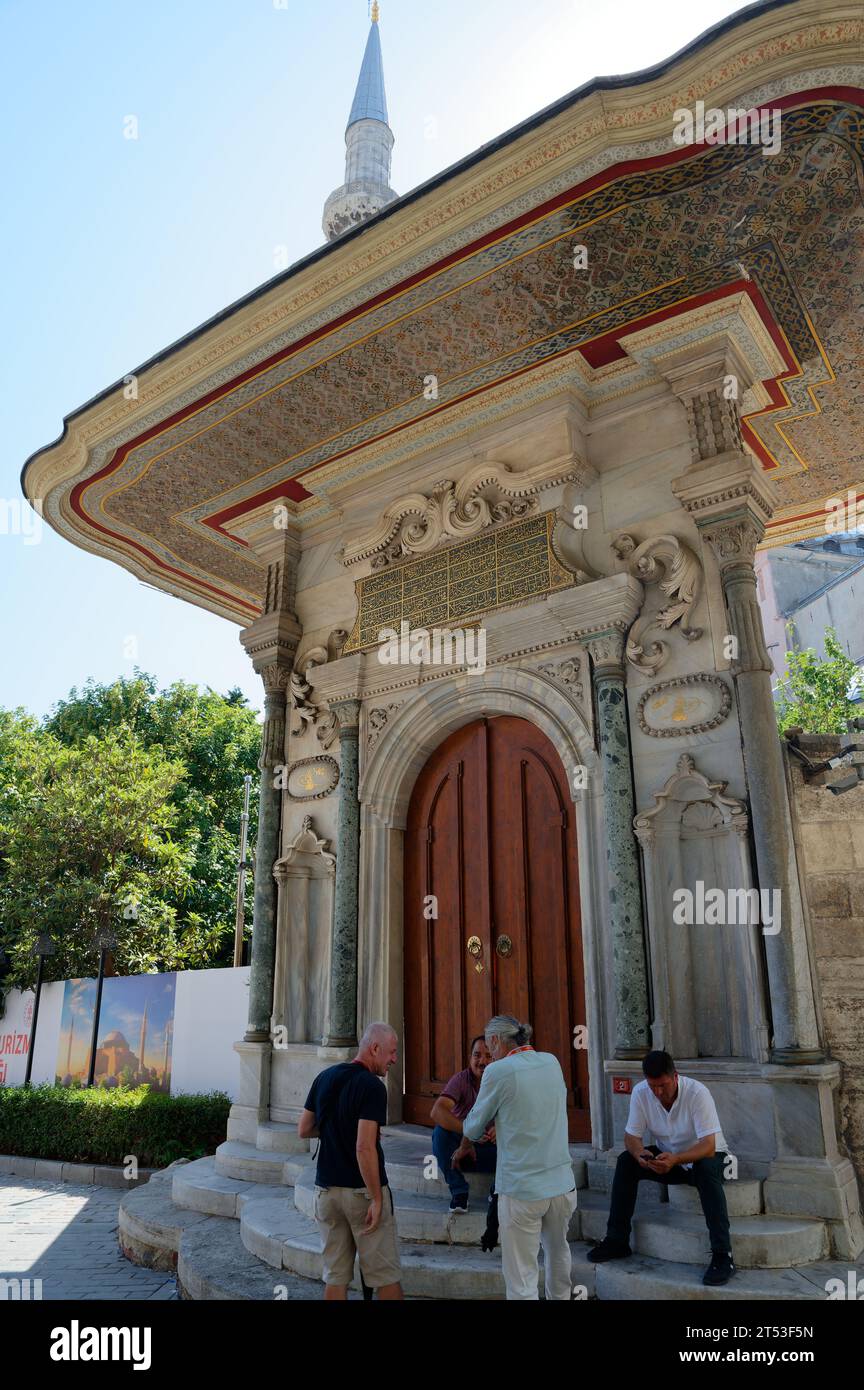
(492, 921)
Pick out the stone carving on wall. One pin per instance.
(708, 985)
(376, 723)
(567, 672)
(568, 538)
(686, 705)
(304, 876)
(417, 524)
(668, 562)
(306, 711)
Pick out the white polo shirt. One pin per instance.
(692, 1117)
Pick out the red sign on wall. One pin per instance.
(622, 1085)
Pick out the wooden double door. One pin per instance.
(491, 913)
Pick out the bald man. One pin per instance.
(353, 1205)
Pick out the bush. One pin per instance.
(76, 1125)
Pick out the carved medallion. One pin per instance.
(311, 778)
(687, 705)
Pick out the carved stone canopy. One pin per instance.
(690, 801)
(307, 856)
(417, 523)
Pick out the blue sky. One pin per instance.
(112, 248)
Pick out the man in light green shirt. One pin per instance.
(524, 1096)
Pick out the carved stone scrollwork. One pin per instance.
(376, 722)
(567, 672)
(667, 561)
(416, 523)
(569, 535)
(307, 711)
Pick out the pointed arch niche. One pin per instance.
(708, 979)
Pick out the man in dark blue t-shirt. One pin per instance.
(346, 1107)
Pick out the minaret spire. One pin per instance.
(368, 146)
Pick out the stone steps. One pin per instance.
(420, 1218)
(679, 1236)
(273, 1137)
(644, 1278)
(221, 1257)
(235, 1159)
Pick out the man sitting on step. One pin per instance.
(679, 1115)
(448, 1112)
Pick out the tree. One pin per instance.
(218, 740)
(123, 810)
(815, 695)
(86, 832)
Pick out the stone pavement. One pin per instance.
(66, 1235)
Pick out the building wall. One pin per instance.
(829, 831)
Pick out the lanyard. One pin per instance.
(526, 1048)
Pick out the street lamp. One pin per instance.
(43, 948)
(104, 942)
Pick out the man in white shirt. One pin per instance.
(673, 1135)
(524, 1095)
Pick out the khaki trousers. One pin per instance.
(522, 1228)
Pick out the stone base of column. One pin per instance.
(819, 1188)
(796, 1056)
(253, 1092)
(334, 1047)
(631, 1054)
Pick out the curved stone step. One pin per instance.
(235, 1159)
(668, 1233)
(640, 1277)
(199, 1187)
(743, 1197)
(275, 1137)
(419, 1218)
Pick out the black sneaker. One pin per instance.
(608, 1250)
(719, 1271)
(459, 1202)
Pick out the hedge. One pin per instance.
(77, 1125)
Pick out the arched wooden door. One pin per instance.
(490, 845)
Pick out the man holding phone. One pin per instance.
(680, 1116)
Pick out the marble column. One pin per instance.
(342, 1011)
(730, 501)
(275, 678)
(626, 925)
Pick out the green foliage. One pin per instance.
(815, 693)
(75, 1125)
(122, 811)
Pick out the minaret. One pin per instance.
(368, 145)
(142, 1041)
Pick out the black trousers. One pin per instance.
(706, 1175)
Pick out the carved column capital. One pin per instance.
(347, 714)
(606, 650)
(733, 541)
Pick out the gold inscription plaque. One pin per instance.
(458, 583)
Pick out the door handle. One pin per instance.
(474, 947)
(504, 946)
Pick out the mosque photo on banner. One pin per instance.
(136, 1028)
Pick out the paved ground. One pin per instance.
(66, 1235)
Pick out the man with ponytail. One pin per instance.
(523, 1094)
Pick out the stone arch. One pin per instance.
(437, 709)
(412, 733)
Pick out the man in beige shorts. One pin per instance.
(345, 1108)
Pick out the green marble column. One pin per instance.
(342, 1014)
(263, 963)
(624, 888)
